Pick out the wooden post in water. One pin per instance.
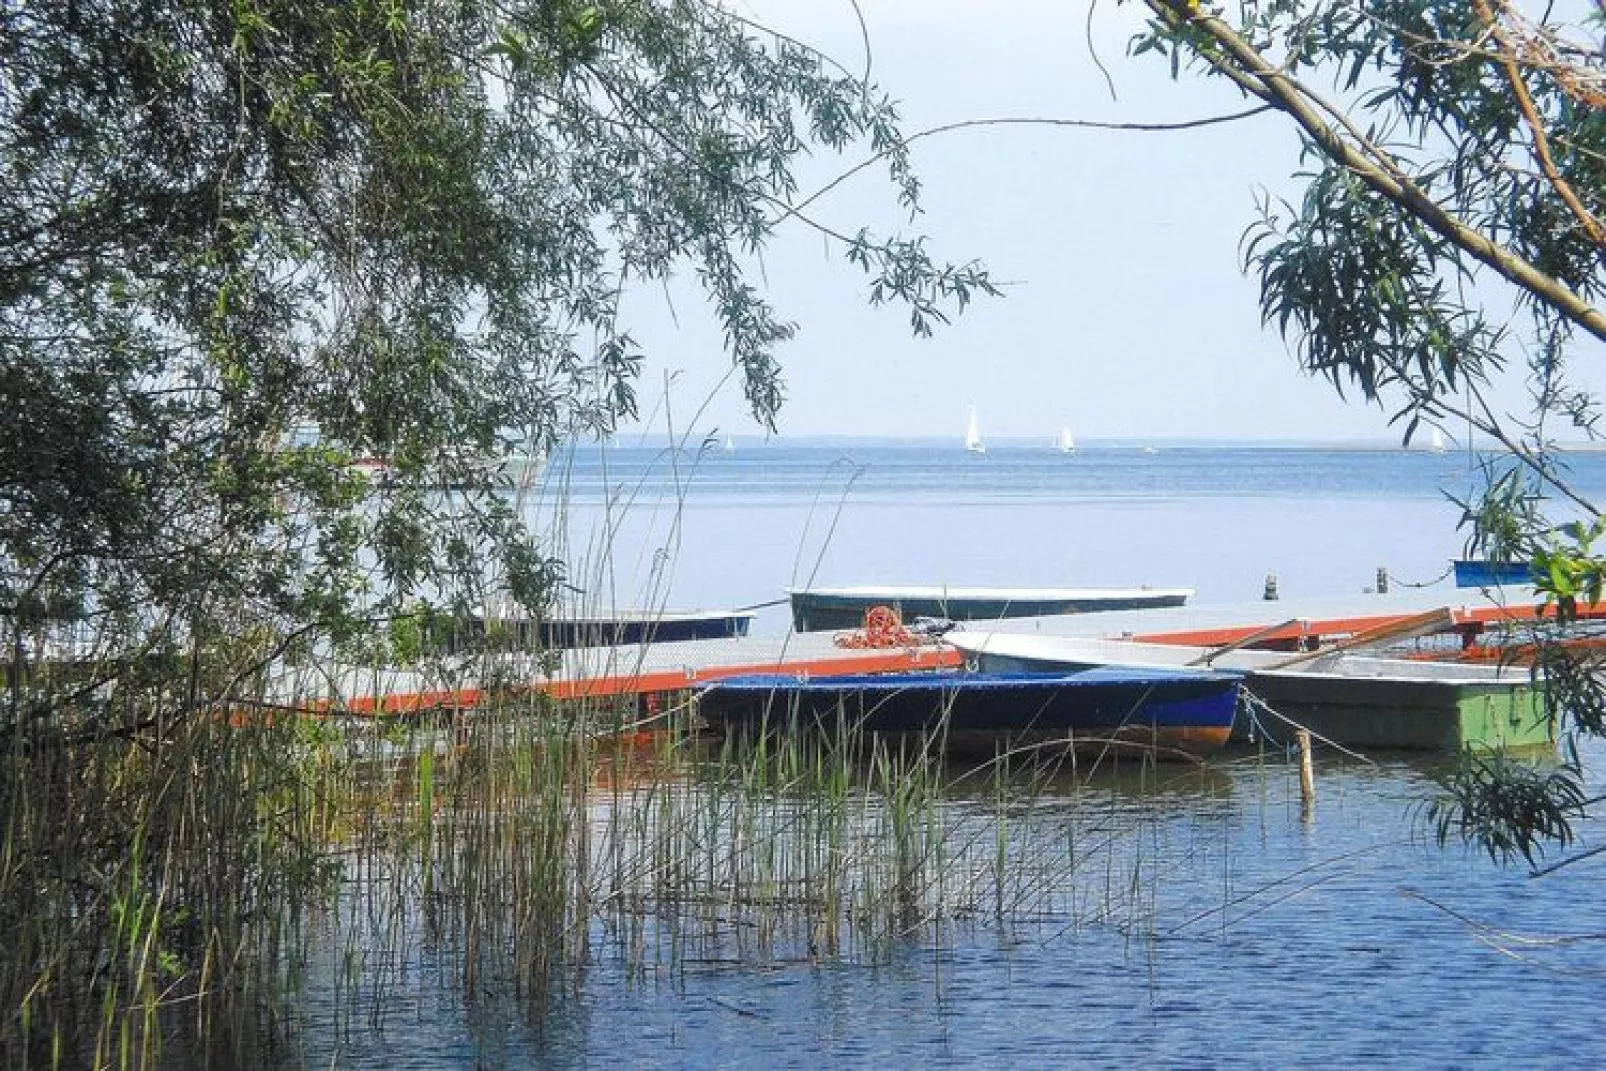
(1307, 773)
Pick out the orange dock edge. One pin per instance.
(1469, 622)
(647, 683)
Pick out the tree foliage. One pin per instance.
(1450, 229)
(404, 226)
(246, 245)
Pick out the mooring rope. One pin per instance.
(763, 605)
(1448, 569)
(1255, 700)
(1246, 703)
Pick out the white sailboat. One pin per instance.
(1066, 444)
(1436, 442)
(973, 441)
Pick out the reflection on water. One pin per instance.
(1164, 914)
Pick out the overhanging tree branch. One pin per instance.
(969, 124)
(1536, 129)
(1245, 65)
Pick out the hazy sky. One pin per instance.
(1127, 315)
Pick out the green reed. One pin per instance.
(176, 902)
(172, 889)
(149, 882)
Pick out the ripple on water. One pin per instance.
(1266, 942)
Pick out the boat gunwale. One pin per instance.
(962, 680)
(1326, 667)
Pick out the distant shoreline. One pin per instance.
(752, 440)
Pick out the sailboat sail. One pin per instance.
(1067, 444)
(1436, 442)
(973, 441)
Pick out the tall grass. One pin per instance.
(149, 883)
(176, 903)
(215, 889)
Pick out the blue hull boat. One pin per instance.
(1475, 573)
(1190, 710)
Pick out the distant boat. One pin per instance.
(973, 441)
(730, 447)
(617, 628)
(824, 609)
(1436, 442)
(1067, 445)
(1477, 573)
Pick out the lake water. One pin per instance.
(713, 528)
(1247, 933)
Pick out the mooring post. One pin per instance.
(1382, 580)
(1270, 594)
(1307, 772)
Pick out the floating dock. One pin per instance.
(639, 670)
(1292, 626)
(653, 673)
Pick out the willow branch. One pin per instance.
(1375, 168)
(1547, 164)
(1491, 426)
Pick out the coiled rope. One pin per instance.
(883, 627)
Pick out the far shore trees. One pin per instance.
(1451, 227)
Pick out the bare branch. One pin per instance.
(969, 124)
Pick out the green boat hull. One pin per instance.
(1360, 702)
(828, 610)
(1409, 716)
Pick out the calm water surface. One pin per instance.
(1241, 935)
(1246, 935)
(713, 528)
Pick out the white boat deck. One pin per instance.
(1124, 624)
